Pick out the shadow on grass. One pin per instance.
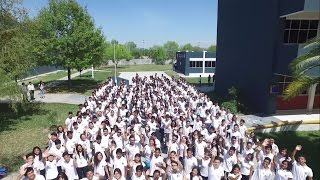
(310, 142)
(77, 86)
(12, 113)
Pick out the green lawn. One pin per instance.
(49, 77)
(28, 127)
(310, 142)
(83, 85)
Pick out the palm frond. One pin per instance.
(298, 86)
(300, 60)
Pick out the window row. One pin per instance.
(200, 64)
(299, 31)
(298, 36)
(301, 24)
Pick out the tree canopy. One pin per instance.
(15, 46)
(158, 54)
(67, 36)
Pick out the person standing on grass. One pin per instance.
(41, 87)
(30, 88)
(209, 79)
(300, 170)
(24, 92)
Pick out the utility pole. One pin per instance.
(115, 63)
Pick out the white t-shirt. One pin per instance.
(229, 161)
(262, 173)
(300, 172)
(283, 175)
(199, 148)
(234, 176)
(189, 163)
(153, 163)
(38, 177)
(132, 150)
(134, 177)
(51, 169)
(215, 174)
(99, 169)
(246, 166)
(119, 163)
(69, 169)
(204, 170)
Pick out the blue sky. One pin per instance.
(151, 21)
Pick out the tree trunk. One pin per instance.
(69, 77)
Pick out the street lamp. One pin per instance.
(115, 63)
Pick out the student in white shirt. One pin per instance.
(38, 160)
(204, 165)
(117, 175)
(29, 174)
(300, 170)
(235, 174)
(68, 166)
(156, 162)
(101, 169)
(189, 161)
(263, 171)
(215, 170)
(119, 162)
(51, 167)
(229, 160)
(247, 166)
(81, 158)
(138, 175)
(284, 173)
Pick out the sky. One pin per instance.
(150, 22)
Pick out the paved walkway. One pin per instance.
(61, 98)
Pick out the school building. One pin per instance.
(194, 64)
(256, 41)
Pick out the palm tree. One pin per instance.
(305, 69)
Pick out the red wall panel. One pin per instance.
(299, 102)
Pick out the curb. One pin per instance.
(281, 124)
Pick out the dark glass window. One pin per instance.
(304, 24)
(303, 34)
(293, 36)
(299, 31)
(312, 34)
(313, 24)
(288, 23)
(295, 24)
(286, 36)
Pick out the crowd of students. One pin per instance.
(158, 128)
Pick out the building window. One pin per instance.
(195, 64)
(299, 31)
(283, 83)
(210, 64)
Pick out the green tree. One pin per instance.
(197, 49)
(306, 69)
(15, 46)
(158, 54)
(115, 52)
(212, 48)
(187, 47)
(122, 52)
(67, 36)
(171, 48)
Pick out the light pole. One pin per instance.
(115, 63)
(143, 47)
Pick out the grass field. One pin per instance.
(21, 131)
(83, 85)
(310, 142)
(49, 77)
